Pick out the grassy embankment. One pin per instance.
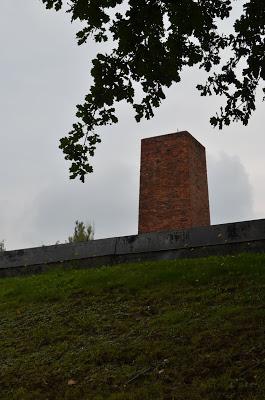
(181, 330)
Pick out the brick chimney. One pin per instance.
(173, 183)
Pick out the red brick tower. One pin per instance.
(173, 184)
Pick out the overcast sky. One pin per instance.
(43, 75)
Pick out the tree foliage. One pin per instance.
(82, 233)
(2, 246)
(153, 41)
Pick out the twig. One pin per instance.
(251, 367)
(140, 373)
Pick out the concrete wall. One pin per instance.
(248, 236)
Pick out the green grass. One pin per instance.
(183, 330)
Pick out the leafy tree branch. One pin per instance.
(153, 41)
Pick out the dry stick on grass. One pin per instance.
(255, 365)
(140, 373)
(250, 367)
(144, 371)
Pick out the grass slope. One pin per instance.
(184, 330)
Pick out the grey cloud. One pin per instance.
(43, 75)
(110, 200)
(230, 191)
(111, 204)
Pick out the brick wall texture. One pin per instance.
(173, 184)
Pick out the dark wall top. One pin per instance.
(148, 243)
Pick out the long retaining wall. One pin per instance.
(232, 238)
